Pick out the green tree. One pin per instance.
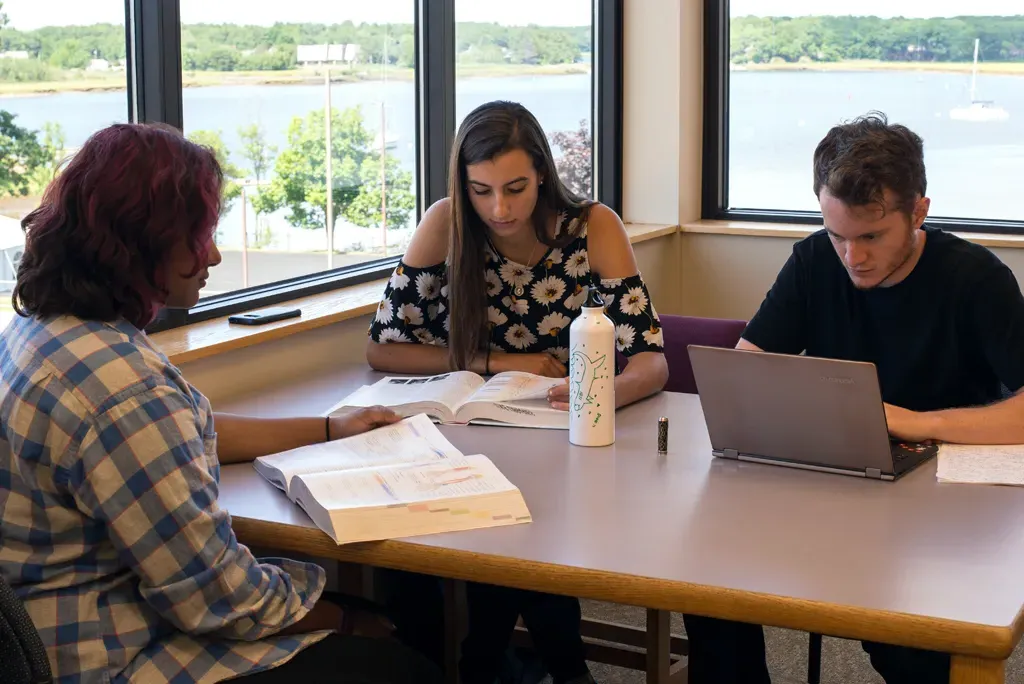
(70, 55)
(20, 156)
(299, 182)
(260, 156)
(214, 141)
(54, 146)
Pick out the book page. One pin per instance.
(413, 440)
(448, 390)
(989, 464)
(404, 484)
(515, 386)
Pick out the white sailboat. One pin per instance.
(978, 110)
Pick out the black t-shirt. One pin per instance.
(949, 335)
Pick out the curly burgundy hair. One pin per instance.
(99, 243)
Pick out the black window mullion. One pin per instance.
(607, 86)
(154, 53)
(715, 166)
(435, 96)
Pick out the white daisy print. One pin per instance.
(447, 324)
(560, 353)
(519, 336)
(578, 265)
(495, 317)
(515, 275)
(624, 336)
(493, 282)
(611, 283)
(634, 302)
(497, 347)
(423, 336)
(428, 285)
(444, 291)
(433, 310)
(609, 300)
(411, 314)
(559, 223)
(384, 312)
(548, 290)
(576, 299)
(654, 337)
(553, 258)
(553, 324)
(398, 279)
(389, 335)
(516, 305)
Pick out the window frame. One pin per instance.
(715, 161)
(155, 95)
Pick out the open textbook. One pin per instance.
(513, 398)
(974, 464)
(400, 480)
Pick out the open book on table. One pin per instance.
(512, 399)
(400, 480)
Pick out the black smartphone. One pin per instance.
(262, 316)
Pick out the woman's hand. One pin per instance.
(539, 364)
(558, 396)
(361, 420)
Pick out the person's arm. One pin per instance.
(141, 472)
(629, 305)
(994, 316)
(243, 438)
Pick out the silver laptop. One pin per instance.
(799, 411)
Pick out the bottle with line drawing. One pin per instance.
(592, 375)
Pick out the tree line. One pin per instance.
(832, 39)
(231, 47)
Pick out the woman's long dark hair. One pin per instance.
(490, 130)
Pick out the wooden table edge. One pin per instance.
(948, 636)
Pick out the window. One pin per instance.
(62, 77)
(259, 79)
(540, 54)
(782, 72)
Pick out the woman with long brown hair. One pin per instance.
(493, 277)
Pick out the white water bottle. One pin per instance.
(592, 375)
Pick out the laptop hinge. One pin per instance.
(873, 473)
(730, 453)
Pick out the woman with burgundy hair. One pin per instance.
(110, 531)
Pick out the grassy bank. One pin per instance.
(1005, 68)
(96, 82)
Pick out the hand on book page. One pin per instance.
(411, 440)
(976, 464)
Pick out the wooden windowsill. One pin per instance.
(797, 231)
(216, 336)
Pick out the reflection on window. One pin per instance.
(545, 65)
(956, 81)
(271, 87)
(60, 81)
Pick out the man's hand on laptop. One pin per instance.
(907, 425)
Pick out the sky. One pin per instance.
(30, 14)
(878, 8)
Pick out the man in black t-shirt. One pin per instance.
(940, 317)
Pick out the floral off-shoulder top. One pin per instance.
(529, 309)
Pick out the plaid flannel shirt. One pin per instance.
(109, 526)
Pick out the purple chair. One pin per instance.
(680, 331)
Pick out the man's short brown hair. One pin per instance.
(859, 160)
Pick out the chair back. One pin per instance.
(680, 331)
(22, 654)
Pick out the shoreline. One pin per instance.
(992, 68)
(312, 76)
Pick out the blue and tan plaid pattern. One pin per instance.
(109, 526)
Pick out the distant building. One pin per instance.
(14, 54)
(337, 53)
(98, 65)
